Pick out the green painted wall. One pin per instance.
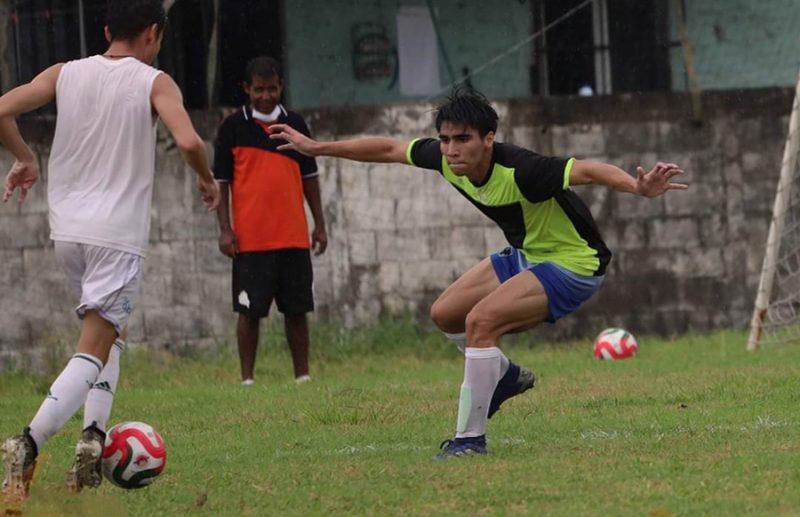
(318, 48)
(736, 44)
(741, 43)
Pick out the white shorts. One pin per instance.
(107, 279)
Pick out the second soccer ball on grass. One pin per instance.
(615, 343)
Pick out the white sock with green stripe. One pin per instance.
(65, 397)
(482, 370)
(97, 409)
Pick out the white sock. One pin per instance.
(459, 339)
(97, 409)
(482, 367)
(65, 397)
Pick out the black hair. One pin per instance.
(264, 67)
(126, 19)
(470, 108)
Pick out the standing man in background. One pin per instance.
(263, 188)
(101, 174)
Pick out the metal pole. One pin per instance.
(82, 29)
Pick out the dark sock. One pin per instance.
(472, 439)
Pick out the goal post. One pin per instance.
(773, 312)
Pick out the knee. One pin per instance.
(443, 317)
(480, 323)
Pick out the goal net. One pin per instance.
(776, 317)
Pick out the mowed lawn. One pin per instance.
(692, 426)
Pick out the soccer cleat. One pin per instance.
(19, 457)
(86, 470)
(462, 447)
(516, 380)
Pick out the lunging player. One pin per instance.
(556, 259)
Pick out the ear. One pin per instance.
(488, 140)
(107, 33)
(153, 32)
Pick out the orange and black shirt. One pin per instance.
(266, 184)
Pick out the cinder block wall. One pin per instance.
(400, 235)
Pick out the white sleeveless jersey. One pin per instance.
(102, 162)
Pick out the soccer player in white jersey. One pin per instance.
(556, 258)
(101, 173)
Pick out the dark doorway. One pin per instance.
(639, 39)
(569, 47)
(629, 42)
(184, 50)
(247, 29)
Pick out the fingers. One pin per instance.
(280, 131)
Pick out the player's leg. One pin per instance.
(520, 301)
(97, 409)
(449, 311)
(109, 294)
(294, 297)
(451, 308)
(253, 291)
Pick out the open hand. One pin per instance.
(296, 141)
(22, 176)
(658, 180)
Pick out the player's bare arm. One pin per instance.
(25, 171)
(168, 103)
(652, 183)
(370, 149)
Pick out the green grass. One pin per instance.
(694, 426)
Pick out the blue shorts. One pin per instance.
(565, 290)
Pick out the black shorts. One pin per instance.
(282, 275)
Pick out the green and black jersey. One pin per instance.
(529, 198)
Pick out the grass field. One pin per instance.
(693, 426)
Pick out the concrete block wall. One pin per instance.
(399, 235)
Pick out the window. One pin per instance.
(607, 45)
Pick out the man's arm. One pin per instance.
(168, 103)
(319, 237)
(40, 91)
(227, 239)
(648, 184)
(368, 149)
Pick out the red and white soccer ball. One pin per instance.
(134, 455)
(615, 343)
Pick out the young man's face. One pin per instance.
(264, 92)
(464, 148)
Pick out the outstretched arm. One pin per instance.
(40, 91)
(168, 103)
(368, 149)
(648, 184)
